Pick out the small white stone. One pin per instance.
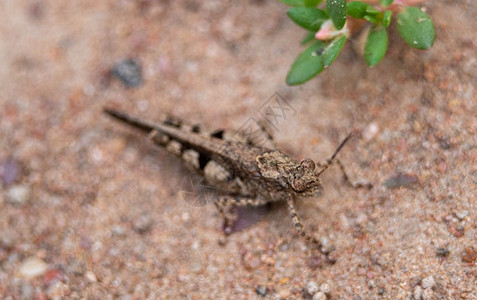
(370, 131)
(428, 282)
(371, 284)
(58, 290)
(185, 216)
(33, 267)
(319, 296)
(284, 294)
(312, 287)
(428, 294)
(19, 194)
(417, 294)
(90, 276)
(325, 242)
(118, 230)
(325, 288)
(462, 214)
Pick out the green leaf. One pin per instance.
(312, 3)
(386, 3)
(296, 3)
(309, 18)
(314, 59)
(301, 3)
(337, 11)
(307, 65)
(371, 10)
(376, 45)
(371, 18)
(356, 9)
(387, 18)
(332, 50)
(308, 37)
(416, 28)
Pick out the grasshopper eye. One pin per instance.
(299, 185)
(308, 164)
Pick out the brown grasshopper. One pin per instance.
(244, 173)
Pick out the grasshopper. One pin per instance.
(243, 172)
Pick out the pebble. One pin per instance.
(118, 230)
(371, 284)
(261, 290)
(428, 282)
(284, 293)
(442, 252)
(10, 171)
(314, 262)
(32, 267)
(58, 290)
(19, 194)
(417, 293)
(312, 287)
(251, 261)
(400, 180)
(91, 277)
(325, 288)
(469, 255)
(370, 131)
(462, 214)
(428, 294)
(325, 242)
(128, 71)
(185, 216)
(319, 296)
(142, 224)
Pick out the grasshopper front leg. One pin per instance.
(297, 222)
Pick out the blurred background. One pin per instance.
(90, 209)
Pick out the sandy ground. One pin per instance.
(92, 210)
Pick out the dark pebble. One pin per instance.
(129, 72)
(469, 255)
(10, 171)
(261, 290)
(444, 143)
(442, 252)
(143, 224)
(400, 180)
(314, 262)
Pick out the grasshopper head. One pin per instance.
(305, 181)
(297, 178)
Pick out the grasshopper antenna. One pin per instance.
(329, 161)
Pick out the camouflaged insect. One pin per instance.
(243, 172)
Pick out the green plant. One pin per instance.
(329, 28)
